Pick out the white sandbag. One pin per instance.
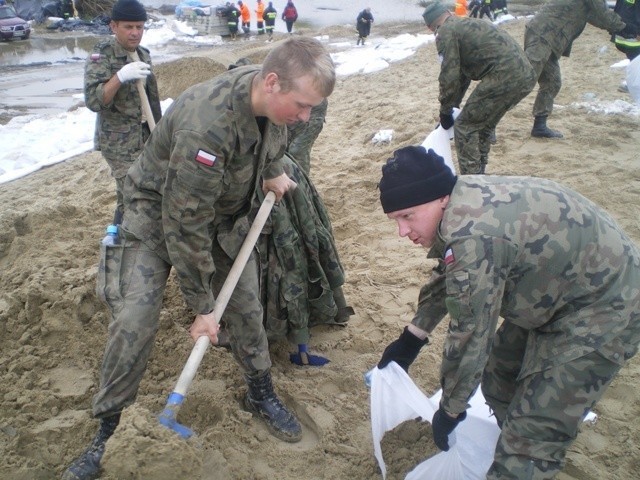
(633, 79)
(396, 399)
(440, 141)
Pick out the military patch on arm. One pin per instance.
(95, 57)
(205, 158)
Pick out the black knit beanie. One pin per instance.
(128, 11)
(413, 177)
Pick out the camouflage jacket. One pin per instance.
(197, 173)
(560, 22)
(119, 133)
(299, 261)
(302, 264)
(470, 49)
(538, 255)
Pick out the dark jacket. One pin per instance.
(363, 23)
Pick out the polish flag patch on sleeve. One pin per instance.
(448, 257)
(205, 158)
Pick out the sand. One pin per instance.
(53, 328)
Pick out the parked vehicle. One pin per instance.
(11, 26)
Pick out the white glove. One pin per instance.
(134, 71)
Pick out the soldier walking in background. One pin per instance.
(567, 288)
(302, 135)
(110, 91)
(472, 49)
(550, 35)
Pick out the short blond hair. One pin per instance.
(300, 56)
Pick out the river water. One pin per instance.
(44, 74)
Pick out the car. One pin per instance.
(12, 26)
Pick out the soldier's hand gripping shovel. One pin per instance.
(144, 100)
(168, 417)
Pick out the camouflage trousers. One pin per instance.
(131, 281)
(547, 67)
(541, 413)
(497, 93)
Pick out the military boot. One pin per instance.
(262, 400)
(540, 129)
(87, 465)
(483, 164)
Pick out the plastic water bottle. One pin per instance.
(112, 236)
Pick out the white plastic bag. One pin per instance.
(396, 399)
(633, 79)
(440, 141)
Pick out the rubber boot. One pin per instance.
(87, 465)
(484, 159)
(358, 42)
(262, 400)
(540, 129)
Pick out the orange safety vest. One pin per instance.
(461, 8)
(260, 11)
(246, 14)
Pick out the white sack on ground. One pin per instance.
(633, 79)
(396, 399)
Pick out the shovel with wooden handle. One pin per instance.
(144, 100)
(168, 417)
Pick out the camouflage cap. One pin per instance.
(413, 177)
(433, 12)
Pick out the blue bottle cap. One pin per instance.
(112, 229)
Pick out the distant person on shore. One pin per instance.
(270, 15)
(548, 36)
(499, 7)
(480, 8)
(363, 24)
(628, 40)
(473, 49)
(290, 15)
(245, 15)
(260, 17)
(110, 90)
(233, 18)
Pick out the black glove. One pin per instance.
(446, 120)
(403, 351)
(442, 425)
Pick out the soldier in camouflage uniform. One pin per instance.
(110, 90)
(218, 142)
(548, 36)
(562, 275)
(302, 136)
(471, 49)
